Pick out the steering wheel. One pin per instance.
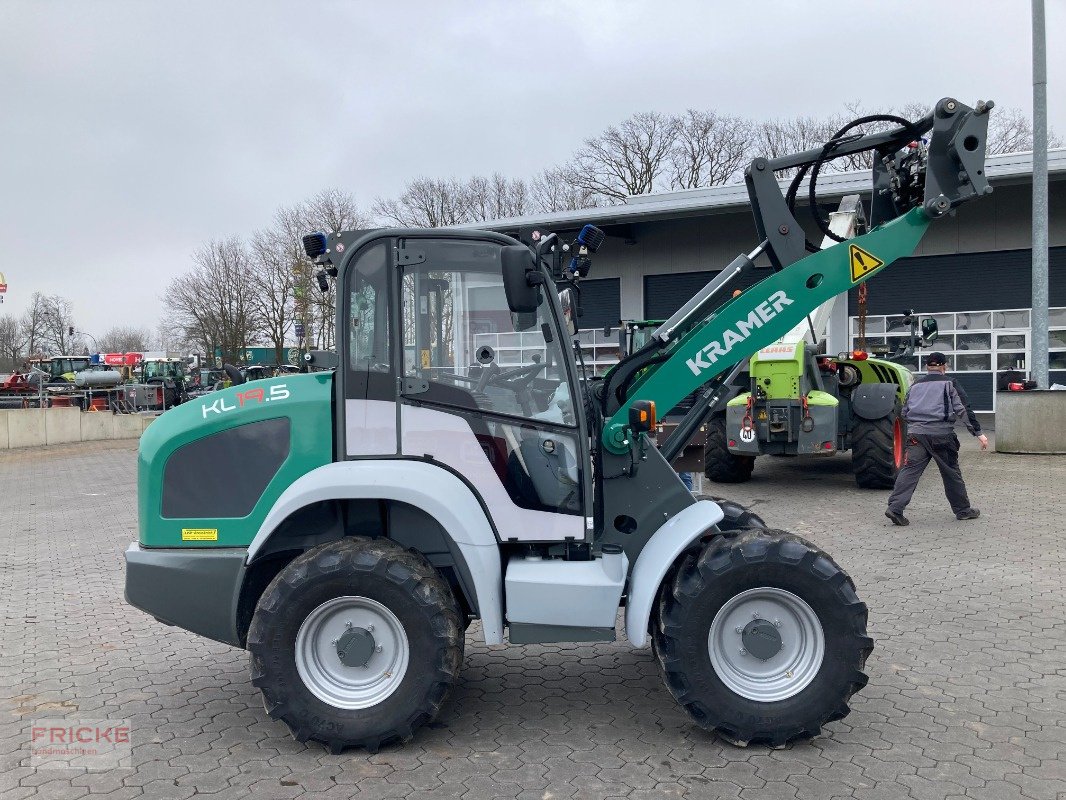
(519, 376)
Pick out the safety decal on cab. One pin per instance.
(257, 395)
(863, 262)
(199, 534)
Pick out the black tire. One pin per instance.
(733, 563)
(408, 587)
(877, 448)
(737, 517)
(721, 466)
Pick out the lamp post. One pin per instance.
(1039, 365)
(83, 333)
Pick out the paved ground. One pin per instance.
(967, 694)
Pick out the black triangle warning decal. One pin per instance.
(862, 261)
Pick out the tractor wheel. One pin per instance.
(737, 517)
(761, 637)
(721, 465)
(877, 448)
(356, 643)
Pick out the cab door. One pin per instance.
(487, 393)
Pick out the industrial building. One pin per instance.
(972, 272)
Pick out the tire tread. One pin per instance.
(686, 583)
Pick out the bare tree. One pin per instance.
(58, 325)
(426, 203)
(122, 339)
(710, 149)
(555, 189)
(626, 159)
(495, 197)
(275, 270)
(32, 326)
(212, 302)
(330, 210)
(1010, 130)
(781, 137)
(12, 342)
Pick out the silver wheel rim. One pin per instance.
(327, 677)
(782, 675)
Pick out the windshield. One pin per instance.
(164, 369)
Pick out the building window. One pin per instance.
(977, 343)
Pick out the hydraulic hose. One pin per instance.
(834, 142)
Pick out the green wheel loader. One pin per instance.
(346, 525)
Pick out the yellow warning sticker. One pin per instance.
(199, 534)
(862, 262)
(425, 359)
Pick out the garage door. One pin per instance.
(962, 281)
(601, 303)
(665, 294)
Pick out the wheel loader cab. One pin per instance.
(439, 367)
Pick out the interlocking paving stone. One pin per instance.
(967, 693)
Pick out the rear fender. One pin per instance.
(434, 490)
(874, 400)
(655, 560)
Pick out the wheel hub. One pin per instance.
(355, 647)
(766, 644)
(352, 652)
(761, 639)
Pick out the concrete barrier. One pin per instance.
(34, 427)
(62, 425)
(97, 425)
(1031, 422)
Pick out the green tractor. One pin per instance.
(801, 403)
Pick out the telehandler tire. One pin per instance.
(356, 643)
(761, 637)
(721, 466)
(877, 448)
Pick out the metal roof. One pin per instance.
(1006, 168)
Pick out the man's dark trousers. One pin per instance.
(920, 449)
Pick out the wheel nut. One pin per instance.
(370, 628)
(348, 624)
(743, 652)
(378, 649)
(738, 629)
(777, 622)
(754, 614)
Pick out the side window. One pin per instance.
(367, 321)
(460, 336)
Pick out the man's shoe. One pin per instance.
(969, 513)
(897, 518)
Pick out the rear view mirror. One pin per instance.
(522, 298)
(929, 329)
(568, 302)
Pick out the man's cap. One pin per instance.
(936, 359)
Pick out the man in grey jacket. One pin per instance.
(933, 404)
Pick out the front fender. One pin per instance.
(435, 490)
(655, 560)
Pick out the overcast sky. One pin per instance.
(131, 132)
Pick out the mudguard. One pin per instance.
(874, 400)
(435, 490)
(655, 560)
